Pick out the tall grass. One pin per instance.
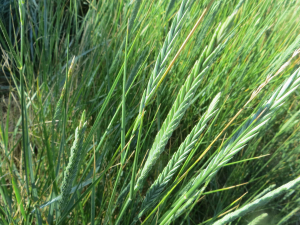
(150, 112)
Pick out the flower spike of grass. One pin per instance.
(72, 168)
(59, 104)
(178, 157)
(166, 48)
(259, 202)
(258, 220)
(180, 105)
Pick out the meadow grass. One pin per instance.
(150, 112)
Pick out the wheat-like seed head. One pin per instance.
(258, 220)
(59, 105)
(178, 157)
(166, 49)
(177, 111)
(259, 202)
(72, 167)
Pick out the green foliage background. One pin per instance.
(113, 111)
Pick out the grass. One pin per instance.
(150, 112)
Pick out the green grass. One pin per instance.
(150, 112)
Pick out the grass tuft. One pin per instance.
(168, 112)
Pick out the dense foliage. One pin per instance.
(150, 112)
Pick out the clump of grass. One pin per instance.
(205, 119)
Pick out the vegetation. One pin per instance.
(150, 112)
